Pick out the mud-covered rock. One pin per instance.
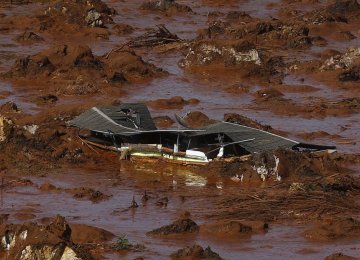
(131, 66)
(206, 53)
(6, 128)
(342, 61)
(184, 225)
(169, 6)
(94, 18)
(32, 241)
(196, 252)
(93, 13)
(89, 194)
(269, 95)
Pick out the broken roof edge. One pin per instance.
(252, 128)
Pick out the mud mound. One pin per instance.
(130, 65)
(197, 119)
(333, 229)
(239, 25)
(84, 234)
(123, 29)
(33, 241)
(163, 121)
(166, 6)
(339, 256)
(243, 120)
(234, 228)
(269, 95)
(74, 70)
(238, 89)
(195, 252)
(158, 36)
(94, 13)
(62, 58)
(89, 194)
(340, 11)
(232, 57)
(178, 227)
(172, 103)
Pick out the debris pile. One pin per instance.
(207, 53)
(342, 61)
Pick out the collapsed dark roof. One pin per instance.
(134, 119)
(121, 119)
(258, 140)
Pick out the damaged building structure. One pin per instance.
(129, 129)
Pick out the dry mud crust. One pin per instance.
(74, 70)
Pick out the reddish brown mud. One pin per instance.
(288, 67)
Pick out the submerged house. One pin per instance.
(129, 129)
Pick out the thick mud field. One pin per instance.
(288, 67)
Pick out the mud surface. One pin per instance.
(288, 67)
